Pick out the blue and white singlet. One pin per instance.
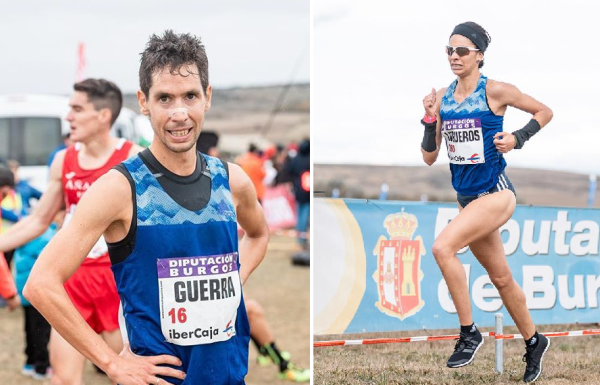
(469, 128)
(180, 286)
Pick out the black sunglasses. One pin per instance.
(460, 51)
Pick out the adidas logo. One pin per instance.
(533, 340)
(70, 175)
(473, 328)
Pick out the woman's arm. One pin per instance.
(431, 103)
(505, 94)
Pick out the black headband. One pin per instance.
(471, 34)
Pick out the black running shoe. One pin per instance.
(464, 351)
(534, 357)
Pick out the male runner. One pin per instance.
(169, 216)
(94, 107)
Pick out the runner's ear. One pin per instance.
(105, 115)
(142, 102)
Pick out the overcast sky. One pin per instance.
(256, 42)
(374, 61)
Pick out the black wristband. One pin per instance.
(526, 132)
(428, 144)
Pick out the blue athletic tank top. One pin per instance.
(469, 128)
(180, 287)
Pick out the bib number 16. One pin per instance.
(178, 315)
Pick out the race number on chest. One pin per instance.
(199, 298)
(464, 140)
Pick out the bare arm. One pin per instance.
(251, 218)
(432, 107)
(502, 95)
(35, 224)
(100, 207)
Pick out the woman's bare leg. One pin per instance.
(478, 220)
(489, 251)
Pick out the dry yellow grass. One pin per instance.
(570, 360)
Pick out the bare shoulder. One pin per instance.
(114, 176)
(238, 179)
(110, 188)
(242, 189)
(497, 89)
(57, 164)
(60, 156)
(108, 198)
(440, 93)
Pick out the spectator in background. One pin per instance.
(252, 165)
(65, 143)
(16, 203)
(280, 163)
(11, 209)
(208, 143)
(37, 329)
(292, 149)
(214, 152)
(299, 170)
(25, 191)
(269, 166)
(8, 291)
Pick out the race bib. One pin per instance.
(464, 140)
(198, 298)
(100, 248)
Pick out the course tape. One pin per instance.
(320, 344)
(577, 333)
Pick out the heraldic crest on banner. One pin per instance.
(398, 275)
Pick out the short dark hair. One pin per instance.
(172, 51)
(7, 178)
(102, 94)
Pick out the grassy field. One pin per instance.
(282, 289)
(570, 360)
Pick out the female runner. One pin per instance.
(469, 114)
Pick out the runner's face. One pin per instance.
(462, 65)
(85, 121)
(180, 131)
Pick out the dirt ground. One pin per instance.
(282, 289)
(570, 360)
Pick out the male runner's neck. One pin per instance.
(179, 163)
(95, 153)
(467, 84)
